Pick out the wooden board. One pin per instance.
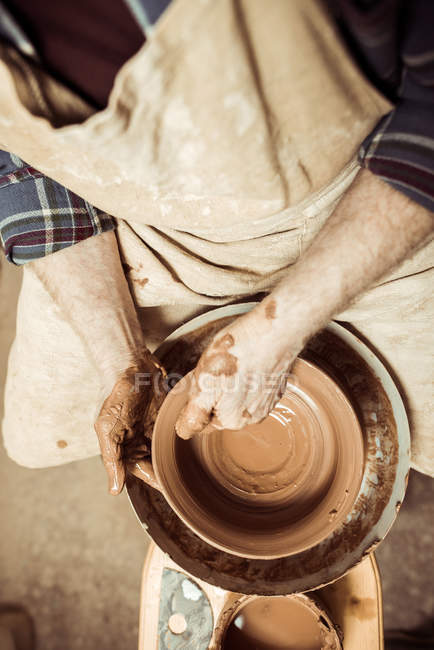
(354, 602)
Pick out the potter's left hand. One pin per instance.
(242, 373)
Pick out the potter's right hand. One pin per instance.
(88, 285)
(125, 422)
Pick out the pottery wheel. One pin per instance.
(381, 492)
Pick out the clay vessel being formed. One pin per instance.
(272, 489)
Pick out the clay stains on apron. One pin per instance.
(270, 309)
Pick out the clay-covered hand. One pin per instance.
(240, 376)
(125, 422)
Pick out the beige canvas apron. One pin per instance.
(227, 142)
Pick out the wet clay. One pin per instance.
(292, 451)
(273, 488)
(254, 459)
(277, 623)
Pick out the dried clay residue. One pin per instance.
(218, 361)
(363, 608)
(270, 309)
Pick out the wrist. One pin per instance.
(305, 301)
(137, 360)
(279, 329)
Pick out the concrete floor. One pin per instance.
(72, 555)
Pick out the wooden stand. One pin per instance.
(354, 603)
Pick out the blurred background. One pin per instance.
(72, 555)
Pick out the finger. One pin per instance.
(151, 414)
(210, 428)
(143, 470)
(262, 402)
(193, 419)
(116, 476)
(231, 411)
(110, 443)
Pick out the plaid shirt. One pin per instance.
(391, 40)
(39, 216)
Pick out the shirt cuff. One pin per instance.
(401, 151)
(39, 216)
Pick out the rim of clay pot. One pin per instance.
(325, 481)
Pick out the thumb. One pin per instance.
(143, 470)
(193, 418)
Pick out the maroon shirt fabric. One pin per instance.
(81, 42)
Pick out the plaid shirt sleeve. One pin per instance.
(395, 41)
(39, 216)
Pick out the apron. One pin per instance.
(227, 142)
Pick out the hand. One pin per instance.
(241, 375)
(125, 422)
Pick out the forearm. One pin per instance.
(88, 284)
(373, 228)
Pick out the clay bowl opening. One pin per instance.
(278, 623)
(272, 489)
